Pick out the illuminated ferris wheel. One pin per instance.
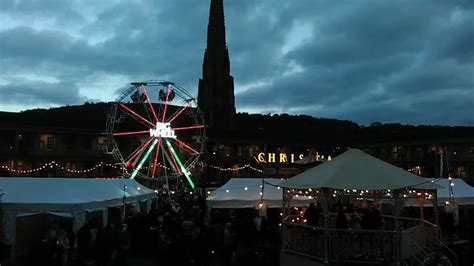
(156, 130)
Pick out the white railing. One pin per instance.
(340, 245)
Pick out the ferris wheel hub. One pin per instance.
(162, 130)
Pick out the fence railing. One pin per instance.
(358, 246)
(369, 246)
(304, 240)
(340, 245)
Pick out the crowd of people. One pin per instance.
(176, 231)
(367, 217)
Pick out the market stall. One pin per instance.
(249, 193)
(67, 198)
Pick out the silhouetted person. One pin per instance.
(341, 219)
(106, 242)
(83, 242)
(124, 240)
(311, 215)
(371, 219)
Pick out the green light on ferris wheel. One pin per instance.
(185, 172)
(140, 164)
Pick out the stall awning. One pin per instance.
(245, 193)
(355, 169)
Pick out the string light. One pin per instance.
(54, 164)
(236, 168)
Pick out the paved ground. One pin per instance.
(285, 260)
(291, 260)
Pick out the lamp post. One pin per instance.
(1, 211)
(1, 203)
(123, 201)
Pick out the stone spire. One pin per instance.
(216, 88)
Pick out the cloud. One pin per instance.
(39, 92)
(383, 61)
(390, 61)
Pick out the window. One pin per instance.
(50, 143)
(460, 172)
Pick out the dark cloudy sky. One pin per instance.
(408, 61)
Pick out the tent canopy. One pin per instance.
(66, 194)
(355, 169)
(67, 197)
(245, 193)
(463, 193)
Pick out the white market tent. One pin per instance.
(245, 193)
(66, 197)
(463, 193)
(355, 169)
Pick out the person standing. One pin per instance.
(83, 242)
(341, 219)
(311, 215)
(63, 242)
(124, 240)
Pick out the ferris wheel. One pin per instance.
(156, 130)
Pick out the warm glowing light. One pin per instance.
(182, 143)
(138, 152)
(185, 128)
(183, 170)
(168, 90)
(156, 158)
(149, 102)
(135, 114)
(140, 164)
(180, 111)
(131, 133)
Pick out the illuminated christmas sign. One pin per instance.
(162, 130)
(286, 158)
(277, 157)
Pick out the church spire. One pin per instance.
(216, 88)
(216, 27)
